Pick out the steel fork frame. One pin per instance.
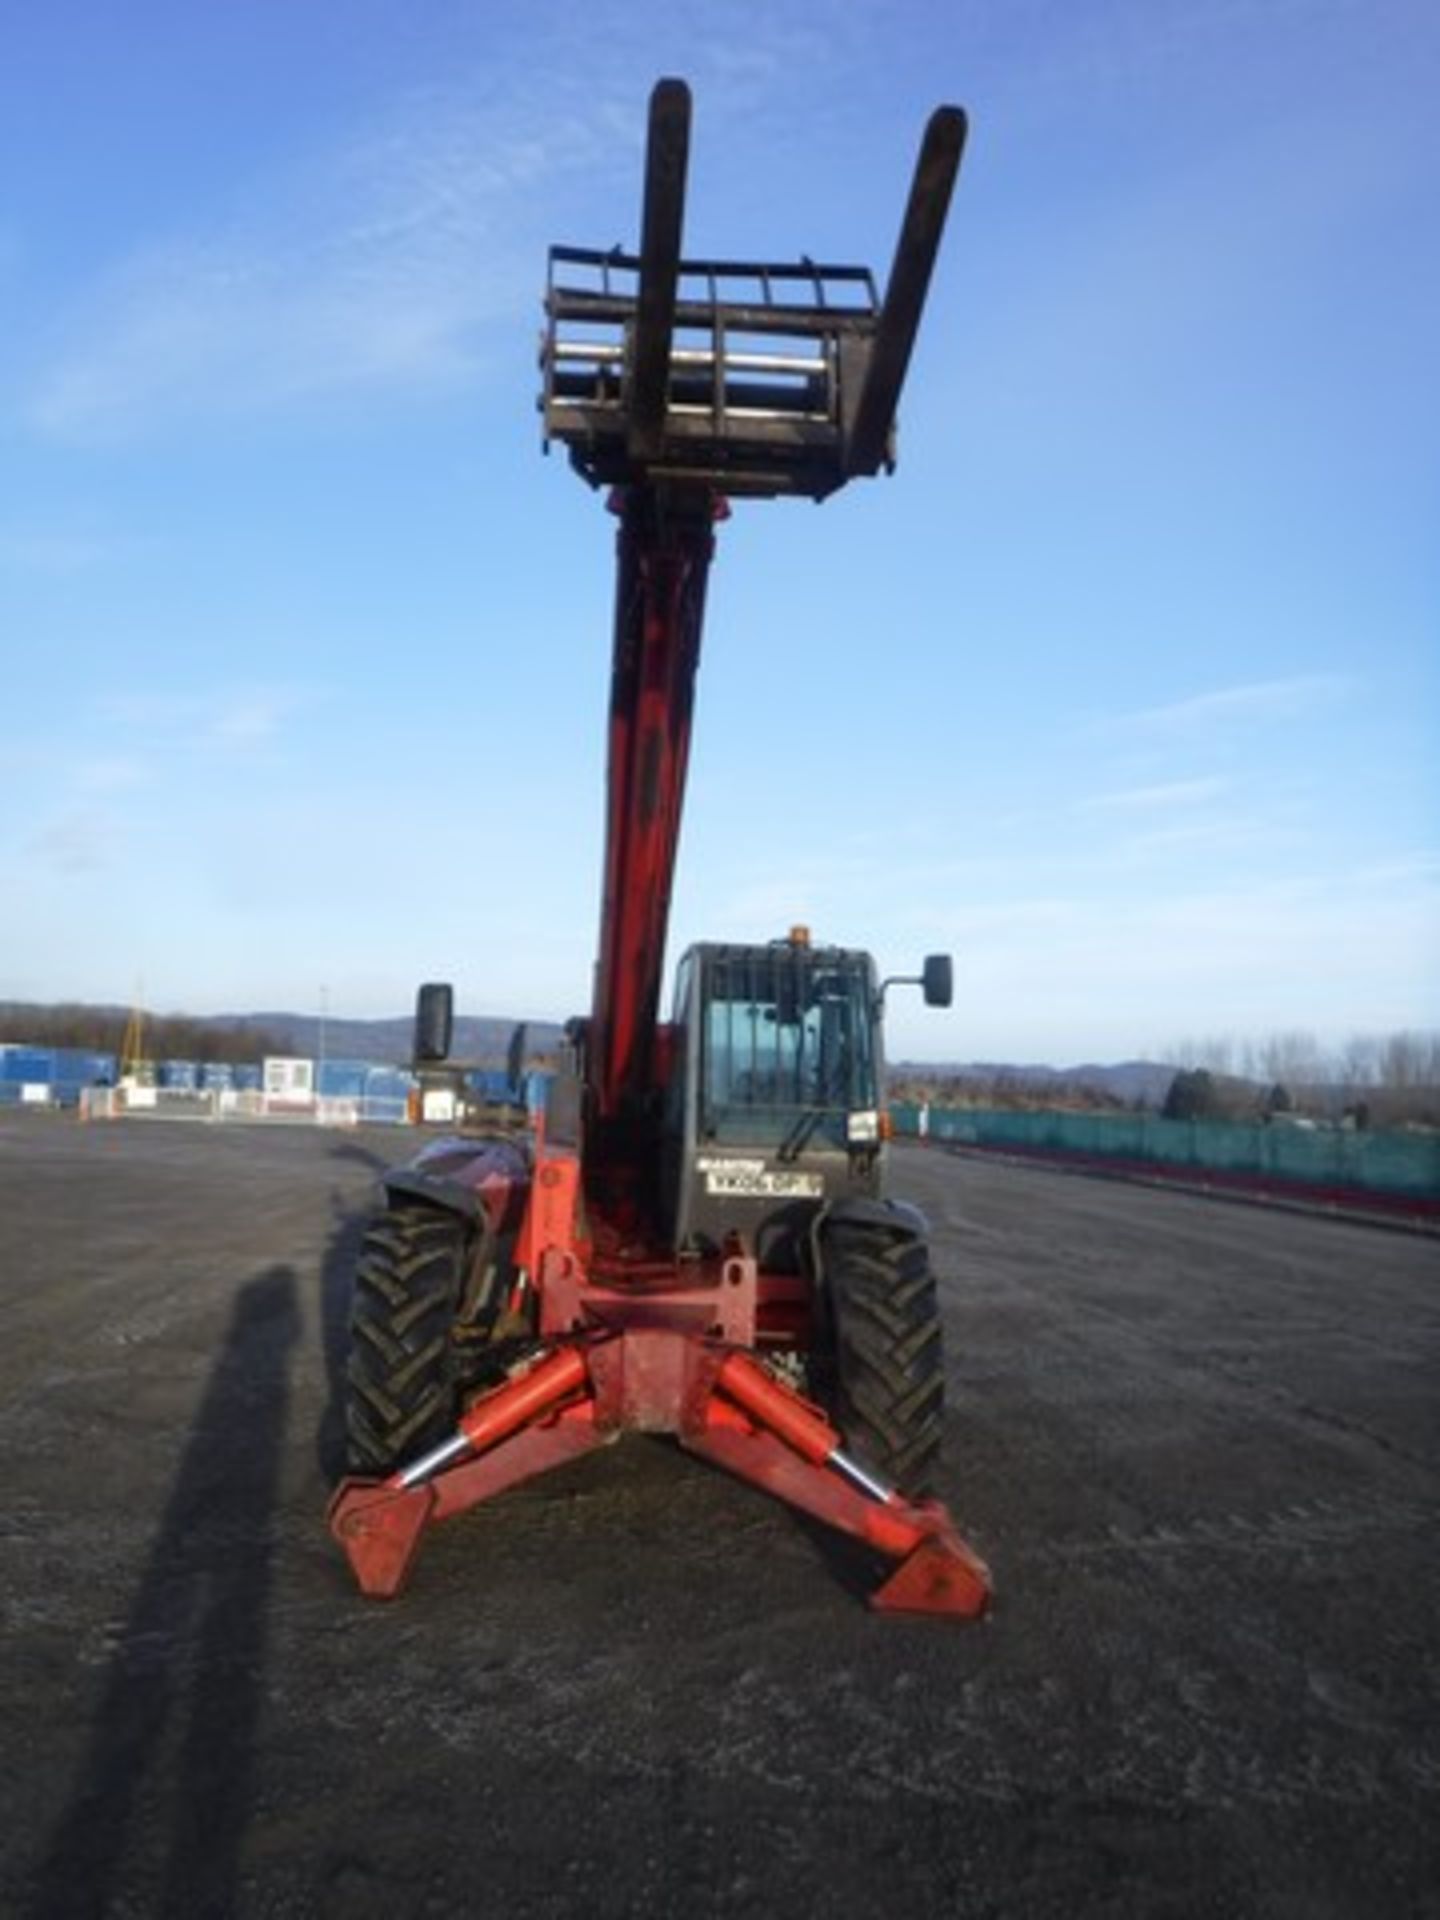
(719, 1401)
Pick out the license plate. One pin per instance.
(763, 1183)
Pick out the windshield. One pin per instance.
(786, 1040)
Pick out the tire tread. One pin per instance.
(888, 1362)
(403, 1388)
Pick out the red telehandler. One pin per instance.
(697, 1242)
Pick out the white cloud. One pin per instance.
(382, 269)
(1248, 838)
(1420, 865)
(386, 261)
(1332, 955)
(245, 722)
(1170, 793)
(111, 775)
(236, 718)
(189, 332)
(58, 550)
(1111, 949)
(1255, 700)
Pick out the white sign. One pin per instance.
(289, 1079)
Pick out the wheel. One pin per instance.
(886, 1371)
(405, 1373)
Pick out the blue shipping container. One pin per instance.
(341, 1079)
(388, 1083)
(76, 1068)
(31, 1065)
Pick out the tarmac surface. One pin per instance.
(1198, 1443)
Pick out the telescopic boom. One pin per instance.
(786, 383)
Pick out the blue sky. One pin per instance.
(1124, 687)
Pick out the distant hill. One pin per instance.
(1129, 1081)
(483, 1040)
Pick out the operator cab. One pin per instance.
(775, 1106)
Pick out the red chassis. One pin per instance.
(656, 1355)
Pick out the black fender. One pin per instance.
(407, 1183)
(482, 1181)
(862, 1211)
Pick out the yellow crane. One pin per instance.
(133, 1065)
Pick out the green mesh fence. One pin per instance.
(1391, 1163)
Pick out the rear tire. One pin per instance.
(887, 1368)
(403, 1377)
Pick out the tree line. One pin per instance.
(170, 1036)
(1378, 1080)
(1371, 1080)
(1366, 1062)
(999, 1089)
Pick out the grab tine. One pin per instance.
(666, 160)
(935, 173)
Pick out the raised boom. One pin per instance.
(787, 384)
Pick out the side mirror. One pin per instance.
(434, 1021)
(515, 1056)
(938, 980)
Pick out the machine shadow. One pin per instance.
(167, 1789)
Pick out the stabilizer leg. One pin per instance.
(723, 1405)
(380, 1526)
(761, 1430)
(380, 1523)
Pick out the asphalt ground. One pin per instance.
(1197, 1442)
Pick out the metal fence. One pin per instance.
(1402, 1164)
(217, 1105)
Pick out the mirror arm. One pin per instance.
(897, 980)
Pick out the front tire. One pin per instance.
(403, 1377)
(887, 1368)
